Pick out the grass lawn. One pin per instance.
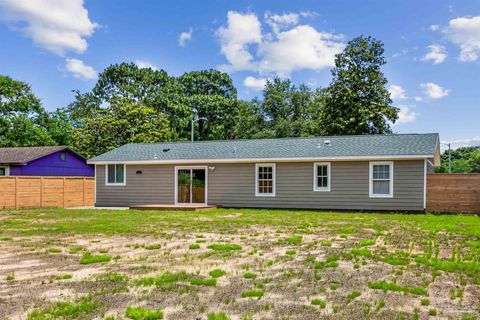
(237, 264)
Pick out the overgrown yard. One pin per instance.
(237, 264)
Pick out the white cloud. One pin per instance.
(405, 115)
(434, 27)
(242, 30)
(418, 99)
(302, 47)
(79, 69)
(397, 92)
(184, 37)
(254, 83)
(437, 54)
(55, 25)
(279, 22)
(286, 50)
(434, 91)
(465, 32)
(145, 64)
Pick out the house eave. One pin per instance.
(255, 160)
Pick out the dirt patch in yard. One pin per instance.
(308, 267)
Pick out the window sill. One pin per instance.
(265, 195)
(321, 189)
(115, 184)
(381, 196)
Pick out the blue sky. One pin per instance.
(432, 48)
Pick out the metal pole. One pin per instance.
(191, 131)
(449, 159)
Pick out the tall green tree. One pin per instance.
(358, 101)
(122, 121)
(212, 99)
(23, 121)
(249, 122)
(287, 108)
(464, 160)
(148, 87)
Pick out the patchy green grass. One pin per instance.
(390, 286)
(318, 302)
(138, 313)
(203, 282)
(252, 294)
(249, 275)
(326, 244)
(89, 258)
(352, 296)
(217, 273)
(65, 310)
(194, 246)
(296, 256)
(295, 240)
(154, 246)
(77, 249)
(224, 247)
(66, 276)
(366, 243)
(165, 281)
(217, 316)
(54, 250)
(362, 252)
(425, 302)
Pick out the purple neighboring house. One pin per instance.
(43, 161)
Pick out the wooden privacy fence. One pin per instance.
(457, 192)
(46, 192)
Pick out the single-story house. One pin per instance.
(363, 172)
(43, 161)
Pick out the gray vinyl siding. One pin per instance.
(154, 185)
(430, 167)
(233, 185)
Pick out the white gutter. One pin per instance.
(254, 160)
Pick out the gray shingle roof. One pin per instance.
(23, 155)
(340, 146)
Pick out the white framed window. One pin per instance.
(381, 179)
(265, 179)
(115, 174)
(4, 171)
(321, 176)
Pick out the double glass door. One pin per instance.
(191, 185)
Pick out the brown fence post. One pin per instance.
(83, 195)
(16, 193)
(41, 192)
(63, 206)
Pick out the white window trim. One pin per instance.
(7, 170)
(124, 175)
(274, 179)
(372, 195)
(176, 184)
(315, 179)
